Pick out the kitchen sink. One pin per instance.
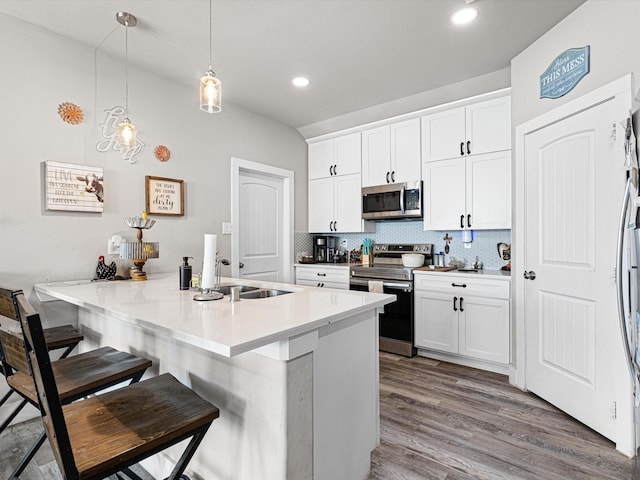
(263, 293)
(226, 289)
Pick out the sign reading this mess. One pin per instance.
(564, 73)
(73, 188)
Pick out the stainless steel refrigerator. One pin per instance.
(628, 278)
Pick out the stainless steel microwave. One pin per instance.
(392, 201)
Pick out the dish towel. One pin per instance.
(376, 286)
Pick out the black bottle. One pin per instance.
(185, 273)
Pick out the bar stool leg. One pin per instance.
(27, 458)
(13, 414)
(178, 470)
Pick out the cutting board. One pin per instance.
(436, 269)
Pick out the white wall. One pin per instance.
(610, 27)
(40, 71)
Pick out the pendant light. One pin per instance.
(126, 130)
(210, 86)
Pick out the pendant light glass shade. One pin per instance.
(210, 93)
(127, 133)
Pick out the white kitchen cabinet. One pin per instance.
(475, 129)
(327, 276)
(335, 156)
(335, 205)
(471, 192)
(391, 153)
(461, 315)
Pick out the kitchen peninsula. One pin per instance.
(295, 376)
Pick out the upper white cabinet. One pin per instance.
(466, 168)
(335, 156)
(468, 193)
(391, 153)
(474, 129)
(335, 186)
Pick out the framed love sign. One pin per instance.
(164, 196)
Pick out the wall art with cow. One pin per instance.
(73, 188)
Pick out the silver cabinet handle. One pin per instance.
(530, 275)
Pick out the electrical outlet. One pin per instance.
(113, 245)
(226, 228)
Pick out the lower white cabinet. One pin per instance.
(463, 316)
(328, 276)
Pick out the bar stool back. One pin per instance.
(78, 376)
(106, 434)
(63, 337)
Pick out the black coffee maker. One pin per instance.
(324, 248)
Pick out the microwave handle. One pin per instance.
(402, 199)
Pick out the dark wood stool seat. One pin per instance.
(122, 427)
(83, 374)
(106, 434)
(79, 375)
(62, 337)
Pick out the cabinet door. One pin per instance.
(442, 134)
(321, 159)
(444, 194)
(405, 151)
(488, 195)
(376, 156)
(488, 126)
(347, 153)
(484, 329)
(436, 323)
(348, 203)
(320, 205)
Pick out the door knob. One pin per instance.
(530, 275)
(241, 265)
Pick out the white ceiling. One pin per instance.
(357, 53)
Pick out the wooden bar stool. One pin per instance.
(77, 376)
(65, 337)
(105, 434)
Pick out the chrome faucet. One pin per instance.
(219, 263)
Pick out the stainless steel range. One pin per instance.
(396, 322)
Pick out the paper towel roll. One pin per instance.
(209, 265)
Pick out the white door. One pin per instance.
(405, 151)
(321, 204)
(262, 219)
(444, 187)
(488, 126)
(347, 152)
(443, 135)
(347, 202)
(376, 156)
(321, 159)
(436, 321)
(488, 183)
(573, 187)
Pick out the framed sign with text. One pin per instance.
(564, 72)
(73, 188)
(164, 196)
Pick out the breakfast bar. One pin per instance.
(295, 375)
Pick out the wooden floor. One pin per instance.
(445, 422)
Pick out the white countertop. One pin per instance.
(493, 274)
(219, 326)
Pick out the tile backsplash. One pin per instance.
(484, 244)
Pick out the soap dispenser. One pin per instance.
(185, 273)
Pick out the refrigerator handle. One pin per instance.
(619, 269)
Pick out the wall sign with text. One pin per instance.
(564, 73)
(164, 196)
(72, 188)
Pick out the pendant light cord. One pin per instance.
(210, 37)
(126, 69)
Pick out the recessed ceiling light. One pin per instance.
(300, 81)
(464, 16)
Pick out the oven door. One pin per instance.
(396, 321)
